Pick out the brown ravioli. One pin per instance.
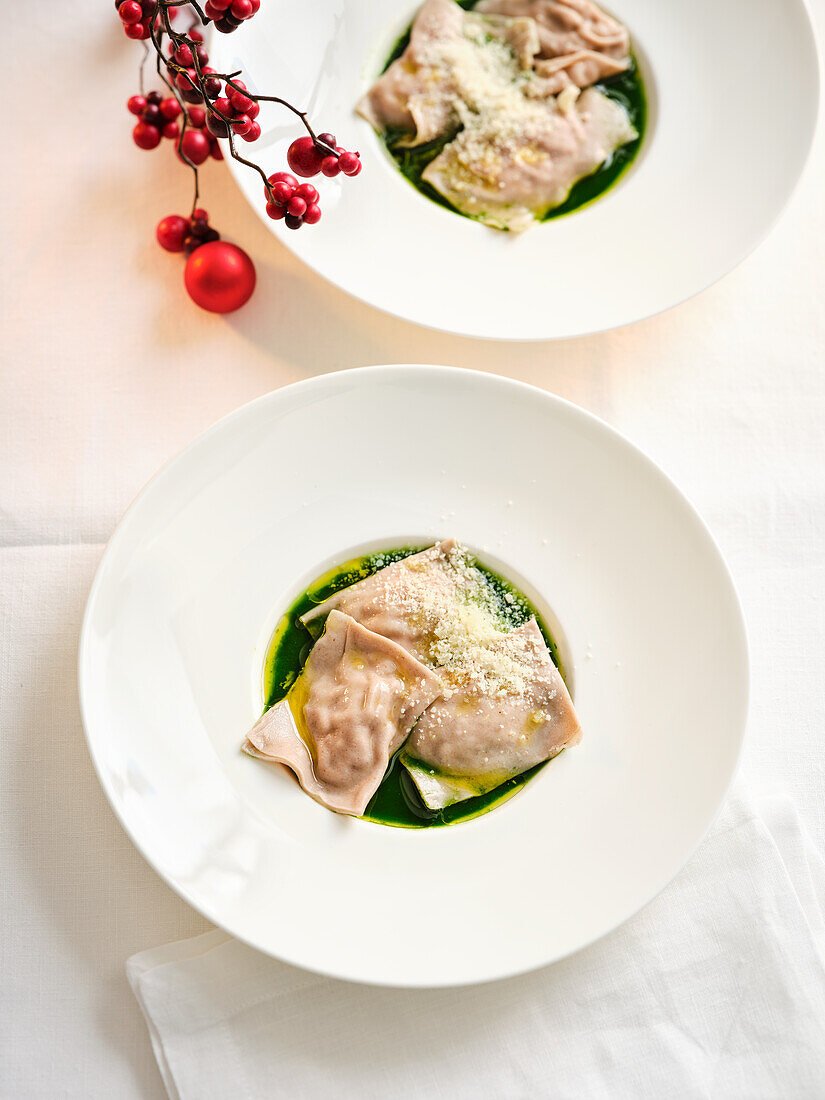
(350, 709)
(570, 27)
(498, 723)
(503, 82)
(403, 600)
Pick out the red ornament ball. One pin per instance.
(219, 277)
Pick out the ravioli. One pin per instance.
(351, 708)
(575, 36)
(501, 82)
(421, 658)
(452, 63)
(412, 600)
(477, 736)
(507, 176)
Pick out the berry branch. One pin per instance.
(204, 105)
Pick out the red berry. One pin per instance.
(253, 110)
(328, 139)
(136, 104)
(221, 5)
(171, 231)
(312, 213)
(329, 166)
(223, 105)
(216, 126)
(282, 192)
(253, 133)
(130, 12)
(241, 124)
(146, 136)
(203, 56)
(350, 164)
(241, 9)
(137, 31)
(283, 177)
(186, 82)
(210, 11)
(239, 100)
(296, 207)
(191, 92)
(155, 97)
(169, 108)
(171, 130)
(194, 34)
(199, 215)
(307, 192)
(293, 222)
(303, 157)
(274, 211)
(152, 115)
(215, 151)
(197, 117)
(195, 146)
(183, 56)
(256, 6)
(149, 6)
(198, 228)
(211, 84)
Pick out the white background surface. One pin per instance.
(107, 370)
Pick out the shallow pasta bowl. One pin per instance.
(219, 544)
(722, 154)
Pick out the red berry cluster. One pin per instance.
(296, 203)
(157, 118)
(136, 16)
(229, 14)
(177, 234)
(183, 71)
(197, 143)
(240, 111)
(307, 157)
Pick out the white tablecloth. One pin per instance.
(107, 370)
(716, 989)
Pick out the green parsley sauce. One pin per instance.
(396, 802)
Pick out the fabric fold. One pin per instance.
(715, 988)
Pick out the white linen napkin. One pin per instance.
(716, 989)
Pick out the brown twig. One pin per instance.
(177, 39)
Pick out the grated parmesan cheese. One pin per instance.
(462, 632)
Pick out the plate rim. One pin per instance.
(570, 408)
(748, 250)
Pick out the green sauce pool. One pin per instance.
(396, 802)
(626, 88)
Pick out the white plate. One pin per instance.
(225, 536)
(733, 88)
